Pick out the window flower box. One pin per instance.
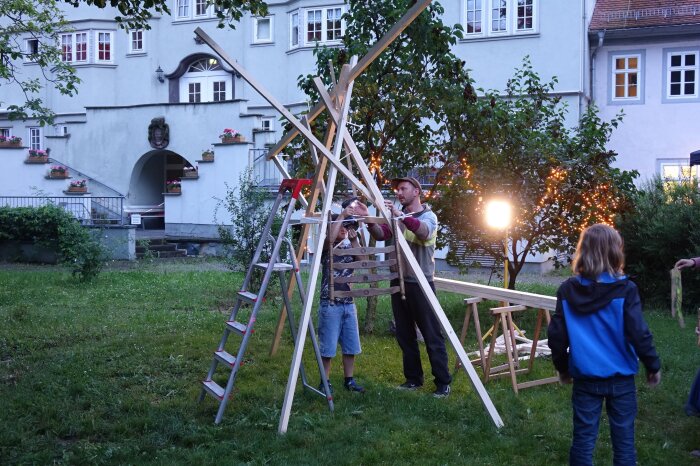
(230, 136)
(10, 141)
(190, 172)
(77, 186)
(208, 155)
(58, 172)
(37, 156)
(173, 187)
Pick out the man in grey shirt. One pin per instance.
(419, 226)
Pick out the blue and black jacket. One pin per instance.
(598, 330)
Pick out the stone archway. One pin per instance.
(147, 185)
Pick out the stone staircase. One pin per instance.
(158, 248)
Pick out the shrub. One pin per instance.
(55, 228)
(663, 227)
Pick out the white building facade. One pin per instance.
(132, 79)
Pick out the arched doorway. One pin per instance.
(147, 185)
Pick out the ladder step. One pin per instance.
(214, 389)
(225, 357)
(237, 327)
(247, 296)
(275, 267)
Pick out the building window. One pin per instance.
(183, 8)
(219, 91)
(74, 47)
(31, 49)
(104, 49)
(136, 41)
(474, 17)
(262, 30)
(525, 15)
(626, 84)
(682, 75)
(200, 7)
(195, 92)
(334, 24)
(294, 30)
(503, 17)
(206, 81)
(5, 132)
(321, 25)
(35, 138)
(499, 16)
(266, 124)
(673, 171)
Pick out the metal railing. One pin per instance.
(81, 174)
(88, 210)
(265, 171)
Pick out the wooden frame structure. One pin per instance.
(337, 104)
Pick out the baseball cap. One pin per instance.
(409, 179)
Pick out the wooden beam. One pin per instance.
(532, 300)
(376, 50)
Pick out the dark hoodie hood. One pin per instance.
(587, 296)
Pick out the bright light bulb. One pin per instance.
(498, 214)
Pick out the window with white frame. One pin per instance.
(35, 138)
(262, 30)
(294, 29)
(677, 171)
(136, 41)
(206, 81)
(266, 123)
(74, 47)
(498, 18)
(682, 74)
(5, 132)
(193, 10)
(626, 77)
(104, 46)
(31, 49)
(316, 25)
(183, 8)
(200, 7)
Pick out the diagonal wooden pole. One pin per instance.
(376, 50)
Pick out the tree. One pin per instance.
(393, 100)
(558, 180)
(43, 21)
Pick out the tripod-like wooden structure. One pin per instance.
(327, 155)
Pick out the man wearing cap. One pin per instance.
(419, 226)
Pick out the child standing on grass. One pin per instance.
(337, 318)
(596, 335)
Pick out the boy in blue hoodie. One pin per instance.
(596, 336)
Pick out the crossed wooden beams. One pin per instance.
(337, 103)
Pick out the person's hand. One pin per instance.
(359, 209)
(390, 207)
(352, 234)
(565, 378)
(654, 379)
(684, 263)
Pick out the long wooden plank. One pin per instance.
(363, 251)
(531, 300)
(368, 264)
(364, 292)
(376, 50)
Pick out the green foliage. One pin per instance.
(53, 227)
(44, 21)
(248, 211)
(518, 148)
(664, 226)
(396, 96)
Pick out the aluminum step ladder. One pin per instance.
(246, 297)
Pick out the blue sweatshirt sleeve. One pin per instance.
(637, 332)
(558, 337)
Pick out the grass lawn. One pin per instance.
(109, 373)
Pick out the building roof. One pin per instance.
(628, 14)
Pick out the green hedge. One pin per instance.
(53, 227)
(663, 227)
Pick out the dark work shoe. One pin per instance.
(442, 391)
(409, 386)
(353, 387)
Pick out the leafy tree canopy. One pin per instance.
(43, 21)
